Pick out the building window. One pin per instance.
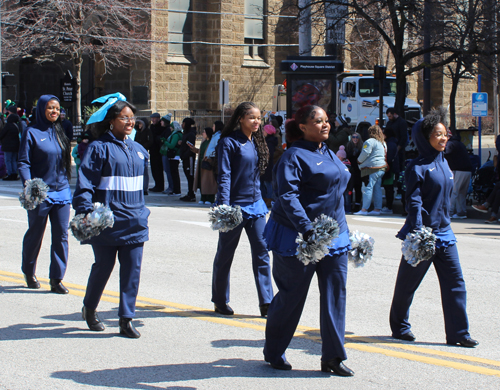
(254, 30)
(180, 28)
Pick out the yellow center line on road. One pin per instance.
(359, 343)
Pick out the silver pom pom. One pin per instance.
(87, 226)
(362, 248)
(316, 247)
(419, 246)
(225, 218)
(33, 194)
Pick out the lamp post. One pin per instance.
(1, 85)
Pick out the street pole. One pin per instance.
(427, 57)
(495, 75)
(335, 30)
(479, 122)
(1, 85)
(305, 39)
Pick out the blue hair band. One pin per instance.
(109, 100)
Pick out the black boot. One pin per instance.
(57, 287)
(264, 309)
(93, 322)
(224, 309)
(32, 281)
(337, 367)
(127, 328)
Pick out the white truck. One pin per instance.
(357, 97)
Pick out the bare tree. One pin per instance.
(109, 31)
(403, 25)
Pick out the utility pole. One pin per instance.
(496, 112)
(335, 29)
(1, 85)
(427, 57)
(305, 40)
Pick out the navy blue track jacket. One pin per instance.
(239, 176)
(429, 184)
(40, 155)
(112, 173)
(310, 181)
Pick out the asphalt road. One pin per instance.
(44, 343)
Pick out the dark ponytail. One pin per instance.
(234, 124)
(292, 129)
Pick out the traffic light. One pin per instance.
(5, 76)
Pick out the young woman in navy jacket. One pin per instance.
(429, 184)
(112, 173)
(309, 181)
(45, 153)
(242, 157)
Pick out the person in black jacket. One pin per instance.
(459, 162)
(400, 128)
(353, 150)
(392, 172)
(66, 125)
(339, 134)
(154, 154)
(188, 157)
(144, 136)
(9, 138)
(266, 185)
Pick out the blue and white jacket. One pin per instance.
(372, 154)
(112, 173)
(40, 155)
(239, 176)
(308, 181)
(429, 184)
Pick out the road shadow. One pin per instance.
(60, 329)
(145, 377)
(309, 343)
(375, 339)
(49, 331)
(21, 289)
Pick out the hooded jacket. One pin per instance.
(40, 155)
(9, 135)
(144, 136)
(112, 173)
(429, 184)
(172, 142)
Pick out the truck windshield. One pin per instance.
(369, 87)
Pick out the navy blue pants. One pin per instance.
(453, 293)
(32, 242)
(260, 261)
(130, 258)
(293, 279)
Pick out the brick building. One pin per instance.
(196, 44)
